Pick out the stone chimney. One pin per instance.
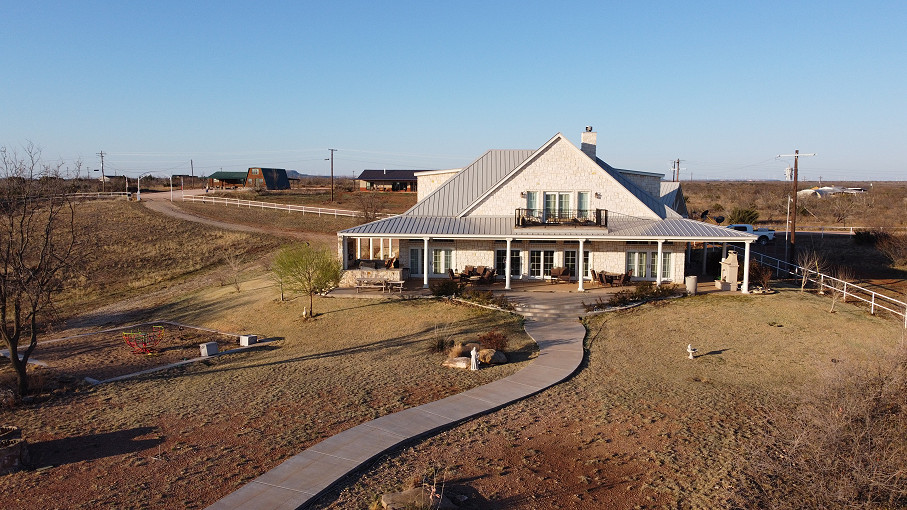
(588, 142)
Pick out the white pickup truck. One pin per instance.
(765, 234)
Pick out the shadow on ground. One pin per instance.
(67, 450)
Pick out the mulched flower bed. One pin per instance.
(104, 355)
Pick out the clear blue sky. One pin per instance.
(725, 86)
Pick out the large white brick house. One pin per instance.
(526, 211)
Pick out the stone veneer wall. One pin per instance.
(425, 184)
(562, 167)
(649, 183)
(603, 256)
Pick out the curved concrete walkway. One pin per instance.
(551, 322)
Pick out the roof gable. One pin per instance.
(464, 188)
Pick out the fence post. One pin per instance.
(872, 305)
(844, 297)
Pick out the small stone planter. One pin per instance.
(208, 348)
(723, 285)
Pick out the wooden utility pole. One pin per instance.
(332, 173)
(103, 178)
(792, 254)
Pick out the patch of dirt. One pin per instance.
(105, 355)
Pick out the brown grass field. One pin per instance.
(395, 202)
(882, 206)
(638, 426)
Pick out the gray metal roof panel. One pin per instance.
(620, 226)
(464, 188)
(651, 202)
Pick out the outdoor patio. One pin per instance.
(413, 288)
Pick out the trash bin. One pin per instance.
(691, 282)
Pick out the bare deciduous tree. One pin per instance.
(371, 205)
(810, 261)
(37, 237)
(307, 269)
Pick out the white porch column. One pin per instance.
(745, 288)
(358, 247)
(381, 240)
(344, 263)
(371, 248)
(425, 263)
(705, 255)
(658, 263)
(580, 269)
(507, 266)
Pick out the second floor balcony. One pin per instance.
(561, 217)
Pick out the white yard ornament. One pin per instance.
(474, 359)
(691, 350)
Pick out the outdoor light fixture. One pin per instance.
(598, 194)
(522, 194)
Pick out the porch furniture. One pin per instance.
(625, 279)
(595, 277)
(393, 286)
(369, 283)
(488, 277)
(612, 279)
(456, 277)
(469, 271)
(480, 270)
(474, 280)
(560, 274)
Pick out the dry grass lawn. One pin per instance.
(640, 425)
(185, 437)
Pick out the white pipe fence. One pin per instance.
(320, 211)
(847, 289)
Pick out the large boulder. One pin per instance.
(460, 362)
(420, 497)
(492, 357)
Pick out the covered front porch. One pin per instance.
(529, 260)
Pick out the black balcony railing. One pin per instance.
(561, 217)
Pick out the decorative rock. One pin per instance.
(208, 348)
(492, 357)
(461, 362)
(420, 497)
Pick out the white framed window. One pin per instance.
(500, 262)
(644, 264)
(441, 260)
(540, 263)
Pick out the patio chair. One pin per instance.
(488, 276)
(594, 276)
(468, 270)
(625, 279)
(480, 270)
(453, 276)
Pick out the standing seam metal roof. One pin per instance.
(461, 190)
(620, 226)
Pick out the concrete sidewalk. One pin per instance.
(302, 478)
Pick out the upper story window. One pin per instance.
(254, 171)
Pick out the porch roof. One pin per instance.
(620, 228)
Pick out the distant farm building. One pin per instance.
(387, 180)
(227, 179)
(267, 178)
(258, 178)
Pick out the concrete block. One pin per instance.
(208, 348)
(247, 340)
